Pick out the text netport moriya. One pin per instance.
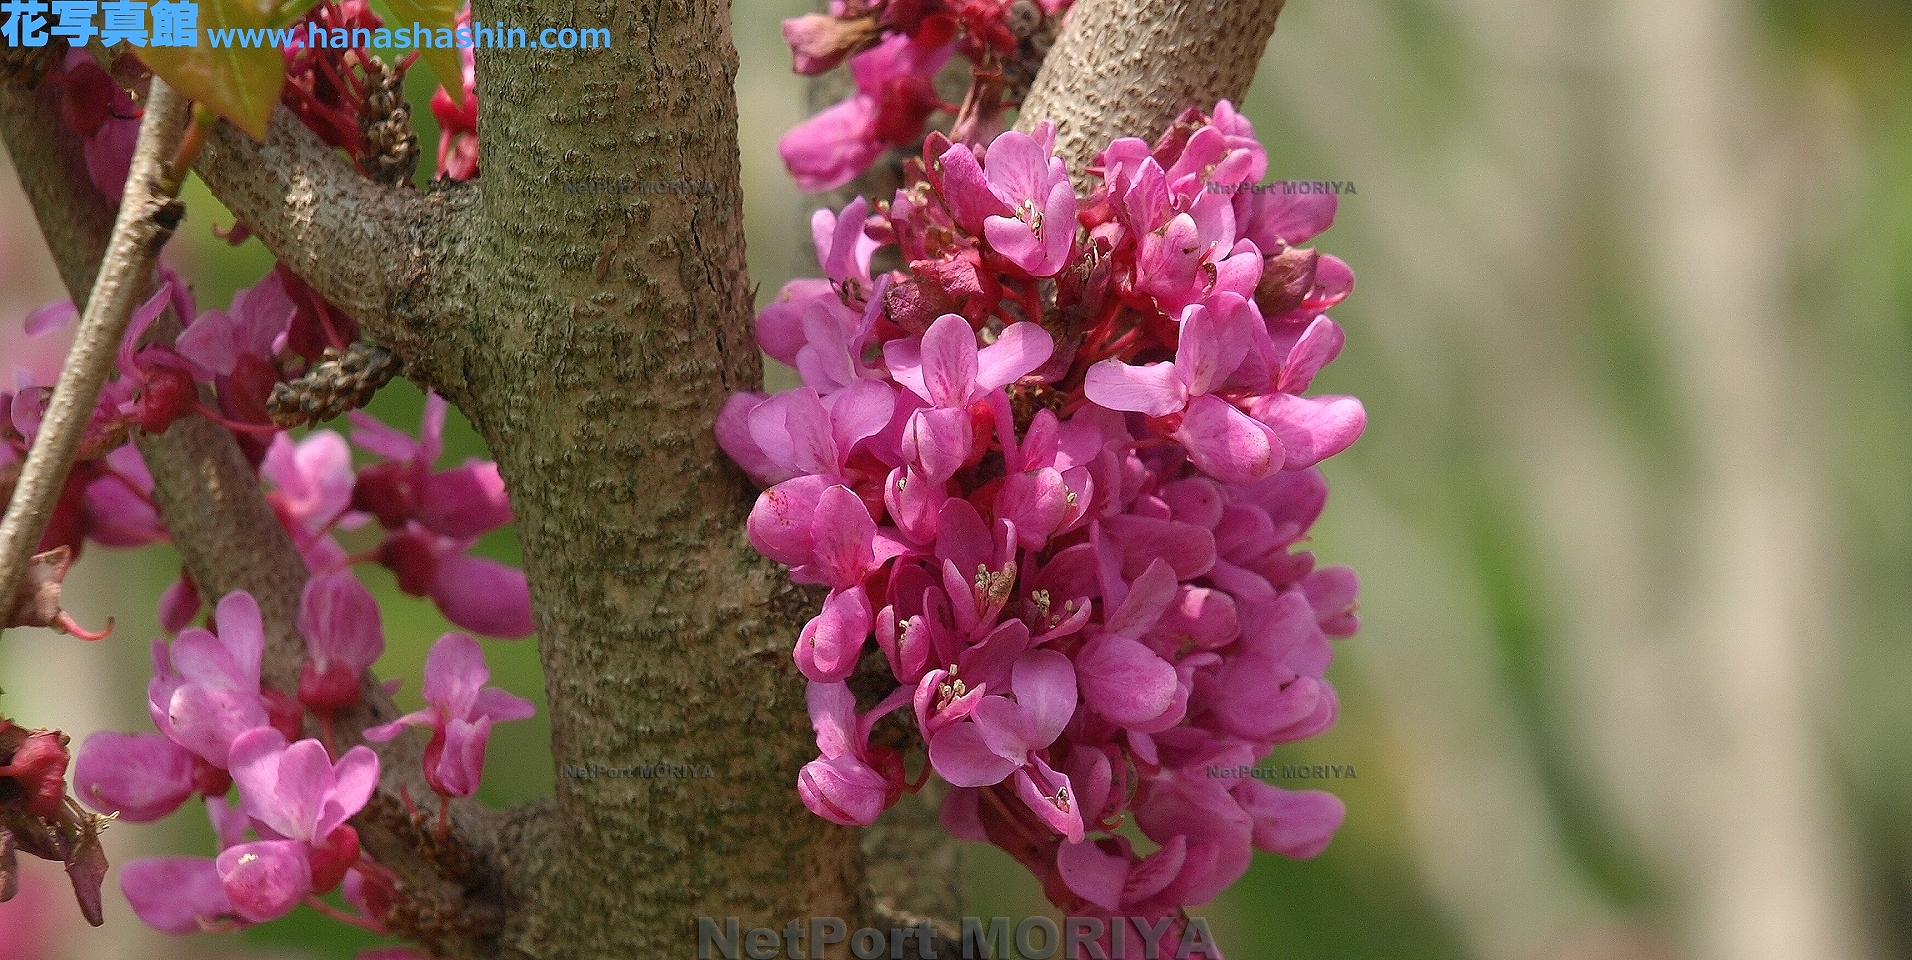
(587, 771)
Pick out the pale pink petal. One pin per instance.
(1092, 873)
(1297, 823)
(1311, 429)
(949, 361)
(843, 790)
(339, 619)
(177, 895)
(1155, 389)
(51, 316)
(963, 757)
(1045, 686)
(1124, 680)
(1021, 348)
(354, 778)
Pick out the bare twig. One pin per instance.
(146, 220)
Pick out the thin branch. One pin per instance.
(382, 254)
(146, 219)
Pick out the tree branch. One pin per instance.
(147, 215)
(1125, 68)
(210, 499)
(385, 255)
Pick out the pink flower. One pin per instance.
(460, 713)
(893, 99)
(944, 367)
(339, 619)
(458, 122)
(159, 380)
(462, 502)
(205, 687)
(1006, 735)
(178, 895)
(1020, 199)
(253, 326)
(299, 798)
(140, 776)
(852, 782)
(479, 594)
(1223, 441)
(314, 481)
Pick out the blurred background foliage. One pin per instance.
(1633, 513)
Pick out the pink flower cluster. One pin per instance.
(219, 726)
(895, 49)
(1057, 469)
(271, 332)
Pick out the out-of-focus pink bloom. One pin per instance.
(458, 123)
(140, 776)
(462, 502)
(106, 118)
(460, 712)
(476, 593)
(343, 636)
(894, 97)
(178, 895)
(313, 483)
(119, 505)
(254, 325)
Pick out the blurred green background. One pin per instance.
(1633, 513)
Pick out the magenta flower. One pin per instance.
(944, 367)
(140, 776)
(893, 99)
(1007, 736)
(157, 383)
(852, 782)
(1019, 199)
(205, 688)
(462, 502)
(460, 712)
(343, 637)
(478, 594)
(1223, 441)
(179, 895)
(253, 326)
(300, 799)
(119, 504)
(313, 480)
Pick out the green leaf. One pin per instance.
(242, 83)
(446, 64)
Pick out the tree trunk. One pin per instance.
(607, 330)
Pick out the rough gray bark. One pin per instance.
(1125, 68)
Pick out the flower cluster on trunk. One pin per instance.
(1057, 470)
